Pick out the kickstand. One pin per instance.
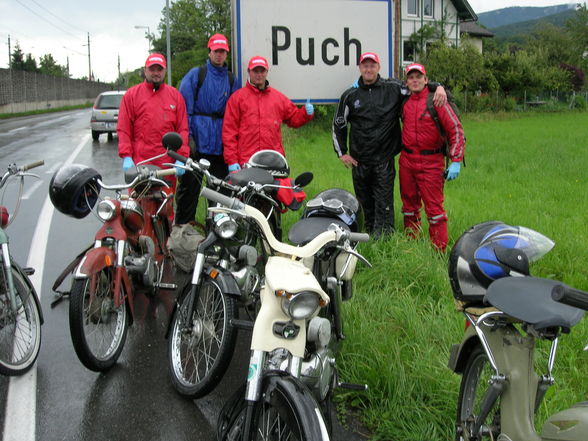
(58, 297)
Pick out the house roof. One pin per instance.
(464, 10)
(473, 28)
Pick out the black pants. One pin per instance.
(374, 188)
(189, 184)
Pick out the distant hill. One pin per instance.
(517, 31)
(516, 14)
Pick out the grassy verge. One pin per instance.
(39, 112)
(522, 169)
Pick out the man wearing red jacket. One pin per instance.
(422, 163)
(254, 114)
(147, 112)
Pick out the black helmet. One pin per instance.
(489, 251)
(274, 162)
(74, 189)
(339, 204)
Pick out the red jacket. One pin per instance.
(252, 122)
(145, 116)
(419, 131)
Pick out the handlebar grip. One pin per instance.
(359, 237)
(221, 199)
(570, 296)
(177, 156)
(33, 165)
(165, 172)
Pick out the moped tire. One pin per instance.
(199, 354)
(285, 411)
(98, 328)
(474, 383)
(20, 332)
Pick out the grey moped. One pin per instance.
(500, 390)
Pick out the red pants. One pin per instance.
(421, 182)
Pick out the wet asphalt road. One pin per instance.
(134, 400)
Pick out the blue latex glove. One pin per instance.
(234, 168)
(309, 107)
(355, 85)
(453, 171)
(179, 171)
(127, 163)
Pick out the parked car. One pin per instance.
(105, 113)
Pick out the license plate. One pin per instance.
(110, 125)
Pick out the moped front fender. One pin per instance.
(95, 261)
(568, 425)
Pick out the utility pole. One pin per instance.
(118, 79)
(9, 54)
(89, 62)
(169, 64)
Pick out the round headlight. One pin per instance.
(301, 305)
(224, 225)
(106, 210)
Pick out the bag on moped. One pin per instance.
(182, 244)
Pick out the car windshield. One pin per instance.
(109, 102)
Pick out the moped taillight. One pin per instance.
(4, 216)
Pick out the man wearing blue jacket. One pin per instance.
(206, 90)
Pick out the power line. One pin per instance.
(57, 17)
(45, 19)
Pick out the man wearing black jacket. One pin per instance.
(373, 109)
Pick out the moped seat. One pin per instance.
(529, 299)
(257, 175)
(307, 229)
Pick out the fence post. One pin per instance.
(525, 101)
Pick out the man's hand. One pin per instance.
(309, 107)
(453, 171)
(440, 97)
(127, 163)
(348, 161)
(179, 170)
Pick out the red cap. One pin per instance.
(218, 41)
(415, 66)
(155, 59)
(258, 61)
(369, 56)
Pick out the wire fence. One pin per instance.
(22, 91)
(552, 100)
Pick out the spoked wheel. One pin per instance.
(98, 328)
(474, 384)
(20, 329)
(284, 413)
(200, 347)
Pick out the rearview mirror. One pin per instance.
(172, 141)
(303, 179)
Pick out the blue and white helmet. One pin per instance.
(490, 251)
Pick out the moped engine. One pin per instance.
(143, 267)
(318, 367)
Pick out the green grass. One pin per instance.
(521, 169)
(38, 112)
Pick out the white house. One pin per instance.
(411, 15)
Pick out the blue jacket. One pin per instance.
(212, 99)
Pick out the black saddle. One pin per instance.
(307, 229)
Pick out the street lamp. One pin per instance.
(147, 34)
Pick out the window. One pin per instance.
(428, 8)
(412, 7)
(408, 51)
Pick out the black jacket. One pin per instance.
(374, 113)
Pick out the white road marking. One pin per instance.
(21, 403)
(31, 189)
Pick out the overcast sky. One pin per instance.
(60, 27)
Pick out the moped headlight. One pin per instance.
(106, 210)
(300, 305)
(224, 225)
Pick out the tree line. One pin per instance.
(47, 64)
